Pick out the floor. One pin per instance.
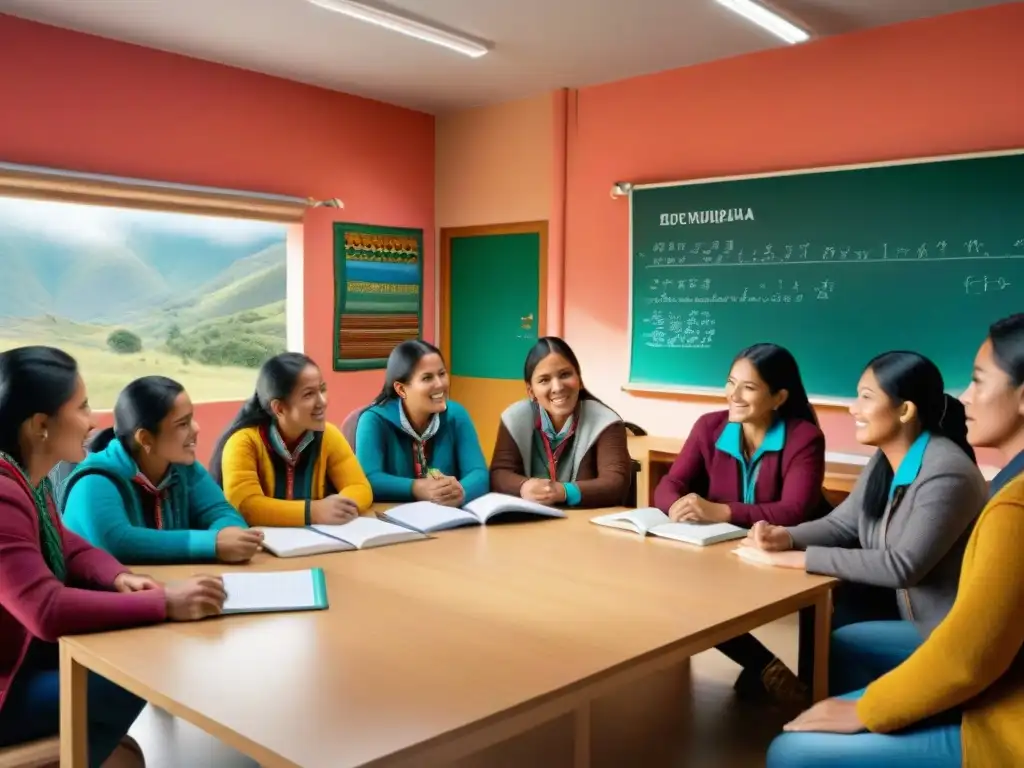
(728, 734)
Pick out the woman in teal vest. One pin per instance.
(142, 496)
(415, 443)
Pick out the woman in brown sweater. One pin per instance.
(561, 445)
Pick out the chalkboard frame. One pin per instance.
(637, 387)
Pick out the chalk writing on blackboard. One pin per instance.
(713, 253)
(718, 216)
(680, 330)
(975, 284)
(692, 290)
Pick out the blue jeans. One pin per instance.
(861, 653)
(32, 708)
(923, 746)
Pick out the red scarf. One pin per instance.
(553, 455)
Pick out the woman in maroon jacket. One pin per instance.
(762, 459)
(52, 582)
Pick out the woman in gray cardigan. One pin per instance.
(904, 527)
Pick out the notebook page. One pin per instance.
(361, 530)
(491, 504)
(272, 591)
(289, 540)
(700, 533)
(423, 515)
(648, 517)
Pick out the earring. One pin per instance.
(46, 435)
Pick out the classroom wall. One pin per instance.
(944, 85)
(496, 165)
(84, 103)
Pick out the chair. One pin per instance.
(348, 427)
(636, 431)
(32, 754)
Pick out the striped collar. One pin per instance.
(555, 435)
(432, 426)
(278, 445)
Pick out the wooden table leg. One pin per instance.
(822, 639)
(581, 739)
(74, 716)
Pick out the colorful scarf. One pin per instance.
(42, 497)
(552, 444)
(159, 493)
(419, 441)
(273, 439)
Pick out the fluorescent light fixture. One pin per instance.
(393, 21)
(767, 19)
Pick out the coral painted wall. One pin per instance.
(84, 103)
(939, 86)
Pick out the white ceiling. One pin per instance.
(539, 45)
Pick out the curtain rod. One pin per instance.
(58, 173)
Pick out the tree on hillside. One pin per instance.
(124, 342)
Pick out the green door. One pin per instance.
(495, 287)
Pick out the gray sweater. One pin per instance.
(916, 547)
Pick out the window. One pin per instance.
(130, 292)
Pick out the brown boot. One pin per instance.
(785, 687)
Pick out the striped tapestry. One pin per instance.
(378, 288)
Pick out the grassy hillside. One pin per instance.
(106, 373)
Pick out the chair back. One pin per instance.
(348, 427)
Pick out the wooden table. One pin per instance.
(555, 643)
(656, 455)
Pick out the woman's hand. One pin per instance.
(829, 716)
(440, 489)
(691, 508)
(543, 491)
(238, 545)
(135, 582)
(792, 559)
(333, 510)
(195, 598)
(767, 537)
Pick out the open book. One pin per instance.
(426, 516)
(275, 591)
(360, 533)
(654, 522)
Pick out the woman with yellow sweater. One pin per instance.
(280, 463)
(959, 699)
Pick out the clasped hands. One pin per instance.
(775, 545)
(543, 491)
(692, 508)
(440, 489)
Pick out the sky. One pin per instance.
(80, 224)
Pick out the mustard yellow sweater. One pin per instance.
(251, 483)
(973, 659)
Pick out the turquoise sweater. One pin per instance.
(385, 452)
(104, 506)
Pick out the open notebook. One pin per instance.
(360, 533)
(426, 516)
(274, 591)
(654, 522)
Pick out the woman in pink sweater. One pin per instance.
(52, 582)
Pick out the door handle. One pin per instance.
(526, 321)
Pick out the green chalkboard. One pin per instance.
(837, 264)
